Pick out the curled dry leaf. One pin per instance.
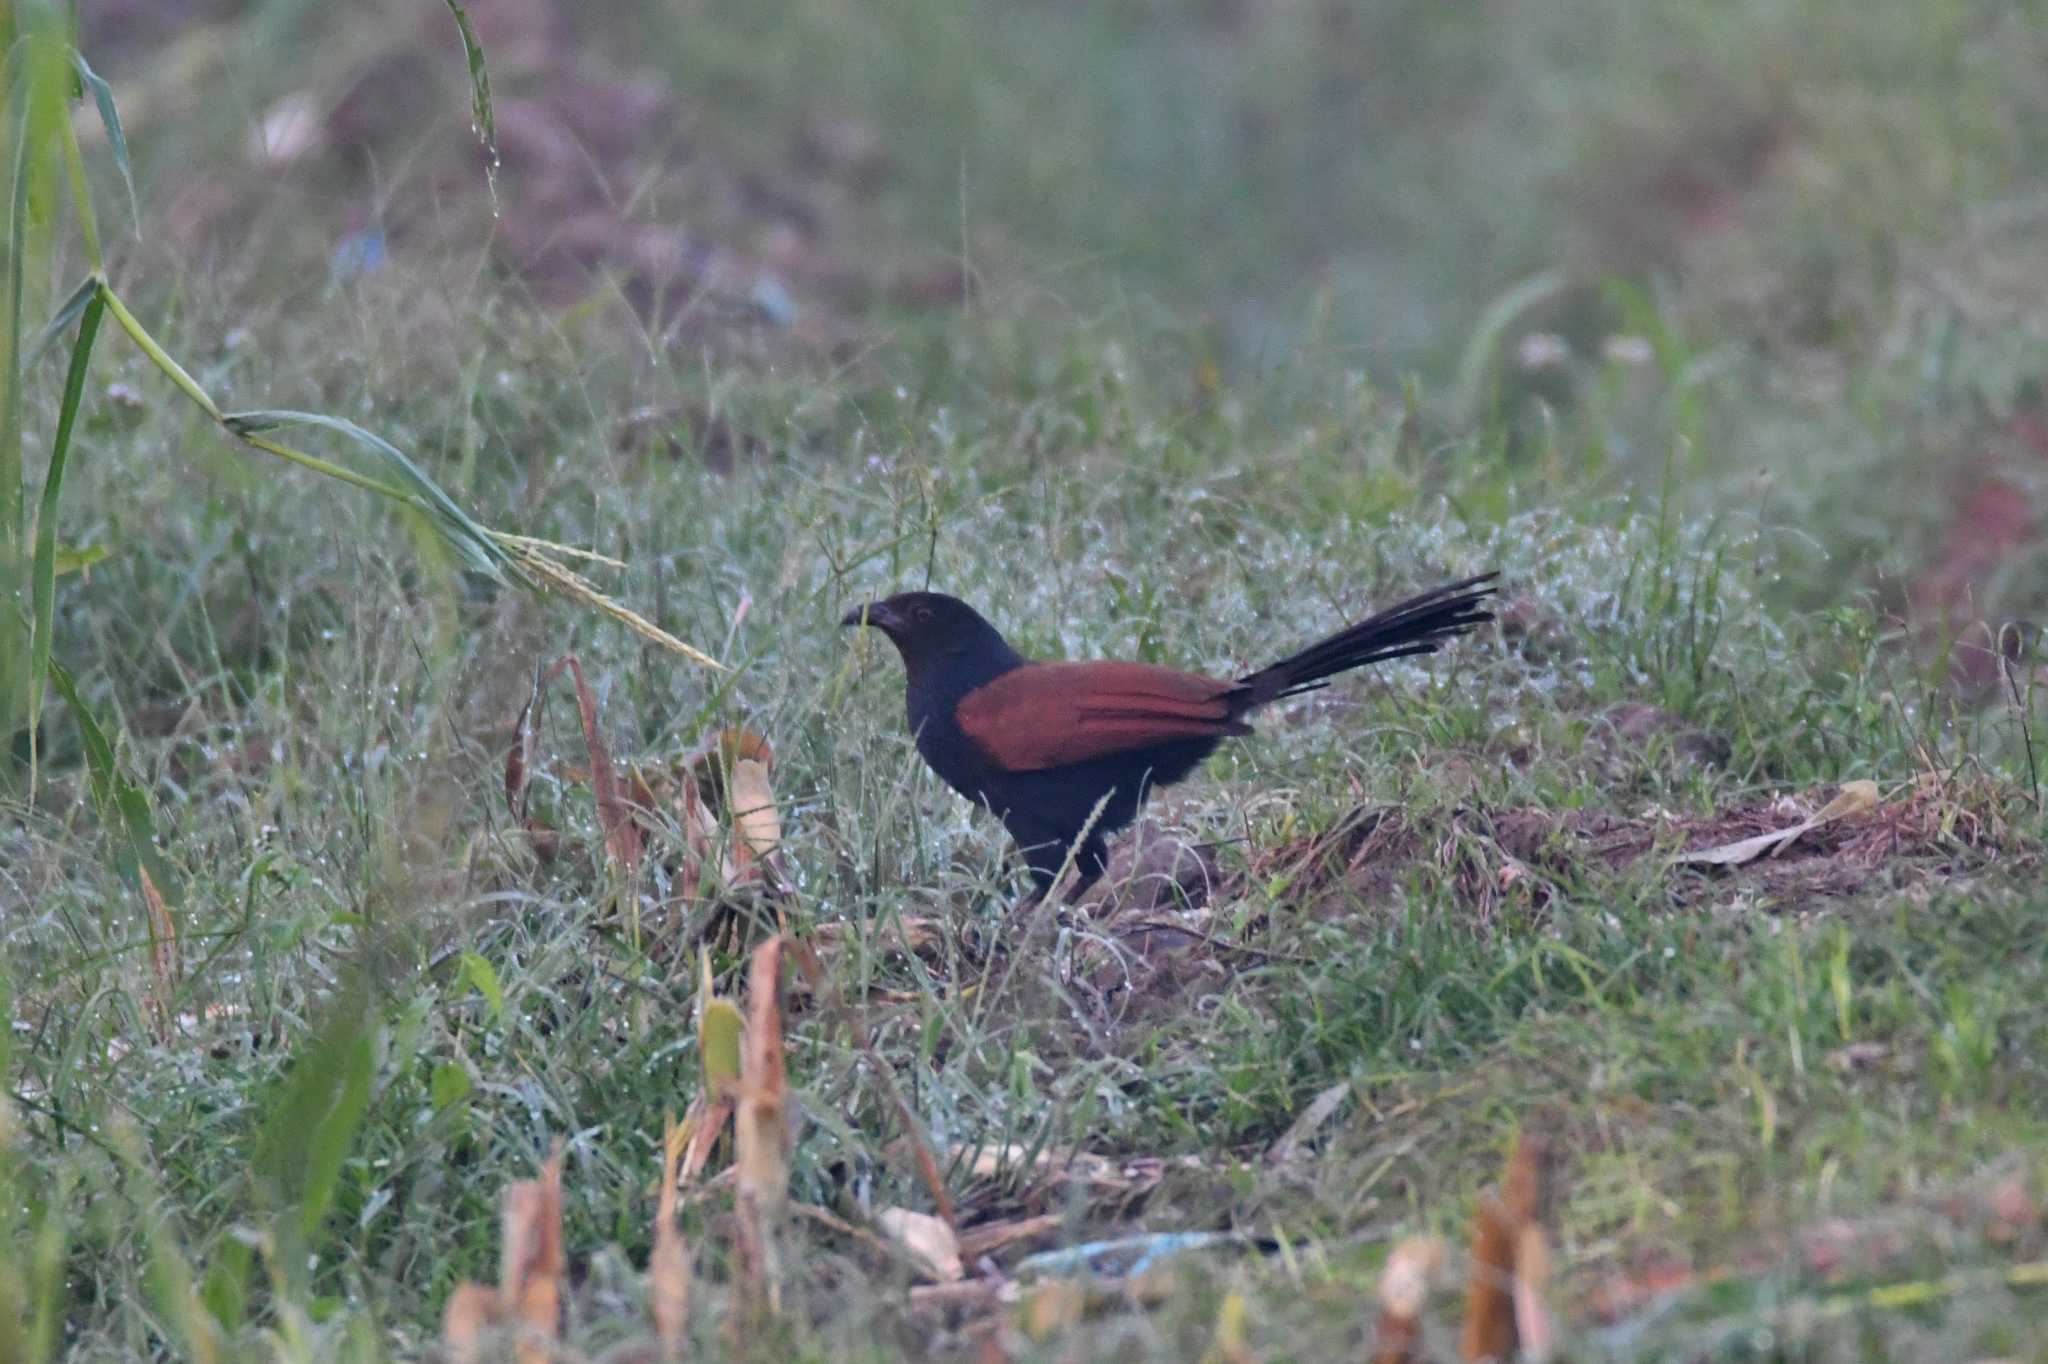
(720, 1030)
(623, 838)
(736, 744)
(668, 1265)
(1533, 1329)
(1491, 1315)
(1855, 798)
(472, 1310)
(753, 809)
(163, 950)
(529, 1292)
(931, 1243)
(533, 1264)
(731, 774)
(1404, 1289)
(761, 1129)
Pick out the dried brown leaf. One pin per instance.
(1489, 1304)
(931, 1243)
(533, 1264)
(764, 1070)
(623, 838)
(754, 814)
(1534, 1331)
(668, 1265)
(1491, 1328)
(472, 1310)
(990, 1237)
(761, 1129)
(163, 950)
(1854, 798)
(1404, 1289)
(702, 1125)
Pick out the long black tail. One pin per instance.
(1419, 625)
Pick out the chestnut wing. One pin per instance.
(1046, 715)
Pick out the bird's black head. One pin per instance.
(931, 629)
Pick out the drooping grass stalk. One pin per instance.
(530, 562)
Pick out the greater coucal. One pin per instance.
(1040, 744)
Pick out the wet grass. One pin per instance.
(319, 714)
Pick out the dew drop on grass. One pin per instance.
(491, 165)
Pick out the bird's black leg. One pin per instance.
(1091, 860)
(1048, 859)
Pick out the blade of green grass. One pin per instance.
(11, 470)
(316, 1118)
(67, 313)
(117, 141)
(43, 580)
(118, 798)
(81, 193)
(476, 545)
(1476, 362)
(480, 116)
(158, 356)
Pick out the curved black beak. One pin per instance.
(874, 613)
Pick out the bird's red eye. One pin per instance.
(924, 615)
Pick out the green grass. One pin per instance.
(319, 713)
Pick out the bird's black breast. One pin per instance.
(948, 750)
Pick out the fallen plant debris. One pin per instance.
(1781, 850)
(720, 1029)
(762, 1133)
(930, 1243)
(1855, 798)
(1403, 1292)
(710, 813)
(668, 1264)
(1509, 1270)
(527, 1302)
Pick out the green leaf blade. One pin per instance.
(43, 578)
(478, 548)
(117, 140)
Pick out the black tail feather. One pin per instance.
(1419, 625)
